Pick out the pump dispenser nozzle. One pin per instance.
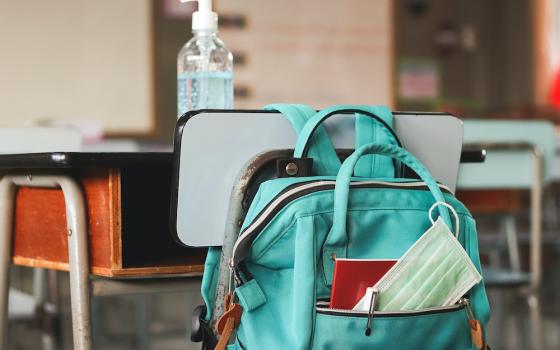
(204, 18)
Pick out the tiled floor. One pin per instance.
(119, 321)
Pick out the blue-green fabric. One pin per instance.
(250, 295)
(210, 278)
(369, 130)
(326, 161)
(309, 129)
(285, 262)
(337, 241)
(289, 275)
(435, 331)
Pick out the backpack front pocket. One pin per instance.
(434, 328)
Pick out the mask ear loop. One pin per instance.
(448, 206)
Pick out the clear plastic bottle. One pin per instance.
(204, 66)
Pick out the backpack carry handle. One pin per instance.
(343, 179)
(326, 161)
(337, 239)
(303, 142)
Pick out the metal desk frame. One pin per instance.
(80, 290)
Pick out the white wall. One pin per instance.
(320, 52)
(76, 60)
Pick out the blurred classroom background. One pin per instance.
(108, 69)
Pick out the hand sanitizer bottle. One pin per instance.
(204, 65)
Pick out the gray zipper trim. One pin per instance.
(325, 309)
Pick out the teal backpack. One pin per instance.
(282, 262)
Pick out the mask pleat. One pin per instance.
(433, 272)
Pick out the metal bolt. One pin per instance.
(291, 169)
(69, 232)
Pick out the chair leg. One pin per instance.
(45, 292)
(143, 306)
(497, 322)
(537, 340)
(495, 253)
(78, 262)
(55, 320)
(515, 328)
(7, 194)
(551, 210)
(40, 291)
(48, 342)
(512, 243)
(535, 327)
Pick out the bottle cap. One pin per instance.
(204, 18)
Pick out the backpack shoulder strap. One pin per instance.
(326, 161)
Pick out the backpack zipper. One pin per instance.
(295, 191)
(372, 306)
(323, 308)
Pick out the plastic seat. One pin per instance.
(505, 278)
(507, 166)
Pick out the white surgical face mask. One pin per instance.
(435, 272)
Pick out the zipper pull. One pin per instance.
(372, 305)
(477, 336)
(229, 320)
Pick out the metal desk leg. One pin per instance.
(78, 260)
(533, 298)
(7, 193)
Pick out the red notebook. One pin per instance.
(352, 277)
